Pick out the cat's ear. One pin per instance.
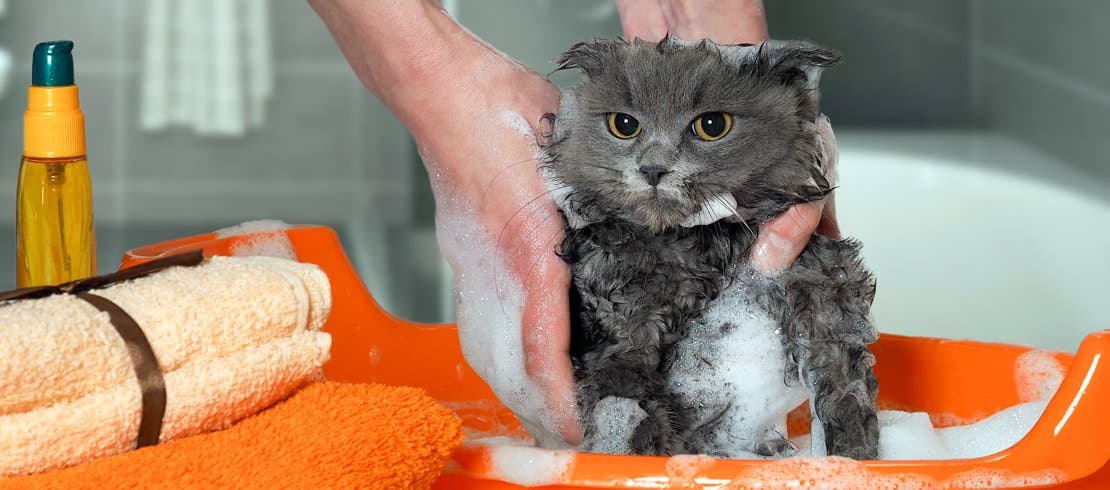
(796, 62)
(591, 57)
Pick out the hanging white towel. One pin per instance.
(207, 66)
(5, 68)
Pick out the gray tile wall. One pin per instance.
(1042, 75)
(905, 63)
(328, 152)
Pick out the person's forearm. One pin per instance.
(396, 48)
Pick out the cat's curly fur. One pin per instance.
(642, 279)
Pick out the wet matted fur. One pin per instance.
(645, 273)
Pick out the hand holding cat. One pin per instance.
(474, 114)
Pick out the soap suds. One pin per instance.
(527, 466)
(984, 478)
(992, 434)
(682, 471)
(1038, 375)
(912, 436)
(615, 419)
(840, 473)
(824, 473)
(730, 368)
(260, 237)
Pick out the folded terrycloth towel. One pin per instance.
(328, 435)
(201, 396)
(61, 348)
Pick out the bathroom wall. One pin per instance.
(1033, 70)
(330, 153)
(1042, 75)
(318, 157)
(905, 63)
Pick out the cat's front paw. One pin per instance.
(774, 445)
(656, 435)
(851, 425)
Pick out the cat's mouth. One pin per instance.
(659, 209)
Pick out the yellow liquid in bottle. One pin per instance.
(54, 222)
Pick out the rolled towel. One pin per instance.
(201, 396)
(327, 435)
(61, 348)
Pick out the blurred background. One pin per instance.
(973, 140)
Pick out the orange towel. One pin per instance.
(327, 435)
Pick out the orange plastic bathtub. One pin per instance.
(952, 380)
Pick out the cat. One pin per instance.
(664, 159)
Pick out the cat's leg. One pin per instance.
(824, 303)
(635, 376)
(843, 388)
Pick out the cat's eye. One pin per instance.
(711, 126)
(623, 125)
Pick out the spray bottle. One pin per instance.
(54, 214)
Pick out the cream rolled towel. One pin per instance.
(201, 396)
(61, 348)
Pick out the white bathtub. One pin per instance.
(977, 236)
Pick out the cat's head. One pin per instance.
(665, 134)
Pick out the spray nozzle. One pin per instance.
(52, 64)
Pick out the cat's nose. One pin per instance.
(653, 173)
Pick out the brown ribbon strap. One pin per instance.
(146, 367)
(143, 360)
(145, 269)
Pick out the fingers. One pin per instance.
(545, 331)
(723, 21)
(829, 227)
(783, 238)
(642, 19)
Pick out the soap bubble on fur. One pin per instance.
(615, 419)
(731, 366)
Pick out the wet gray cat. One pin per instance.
(665, 159)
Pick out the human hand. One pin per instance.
(474, 114)
(499, 228)
(782, 238)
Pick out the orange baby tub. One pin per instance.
(955, 381)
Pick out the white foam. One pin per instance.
(615, 419)
(515, 120)
(992, 434)
(716, 208)
(252, 227)
(260, 237)
(740, 368)
(682, 470)
(529, 466)
(1038, 375)
(904, 435)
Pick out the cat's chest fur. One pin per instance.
(642, 290)
(684, 304)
